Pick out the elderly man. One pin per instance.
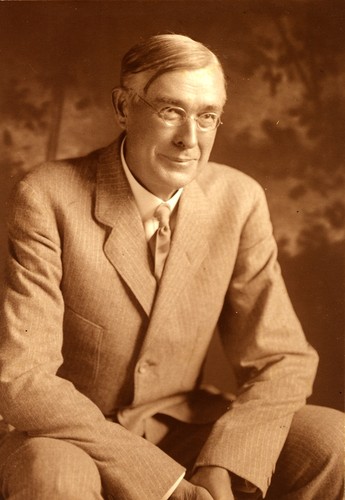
(122, 264)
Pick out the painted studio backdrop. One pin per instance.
(283, 123)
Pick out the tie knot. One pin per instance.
(162, 214)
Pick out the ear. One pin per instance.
(120, 104)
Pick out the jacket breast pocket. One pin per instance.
(81, 350)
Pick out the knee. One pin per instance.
(311, 463)
(50, 468)
(320, 427)
(319, 432)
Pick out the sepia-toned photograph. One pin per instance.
(172, 236)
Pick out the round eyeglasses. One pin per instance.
(174, 116)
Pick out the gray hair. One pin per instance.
(160, 54)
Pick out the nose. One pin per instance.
(187, 134)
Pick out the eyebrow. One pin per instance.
(177, 102)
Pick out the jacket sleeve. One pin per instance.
(32, 397)
(273, 363)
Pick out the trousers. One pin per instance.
(310, 466)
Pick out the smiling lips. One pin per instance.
(179, 160)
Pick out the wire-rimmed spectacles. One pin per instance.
(174, 116)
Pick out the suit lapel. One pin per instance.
(126, 247)
(189, 248)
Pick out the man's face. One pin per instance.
(165, 158)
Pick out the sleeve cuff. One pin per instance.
(173, 488)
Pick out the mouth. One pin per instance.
(179, 160)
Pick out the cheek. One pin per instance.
(149, 135)
(206, 145)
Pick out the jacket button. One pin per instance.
(145, 365)
(143, 368)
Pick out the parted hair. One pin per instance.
(159, 54)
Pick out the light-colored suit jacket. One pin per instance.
(90, 347)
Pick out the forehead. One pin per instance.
(194, 88)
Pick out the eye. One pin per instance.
(208, 119)
(172, 114)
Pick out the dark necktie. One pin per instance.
(163, 235)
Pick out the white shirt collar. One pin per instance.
(146, 201)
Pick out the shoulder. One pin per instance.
(60, 182)
(59, 174)
(227, 185)
(54, 188)
(236, 200)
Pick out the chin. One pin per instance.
(182, 180)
